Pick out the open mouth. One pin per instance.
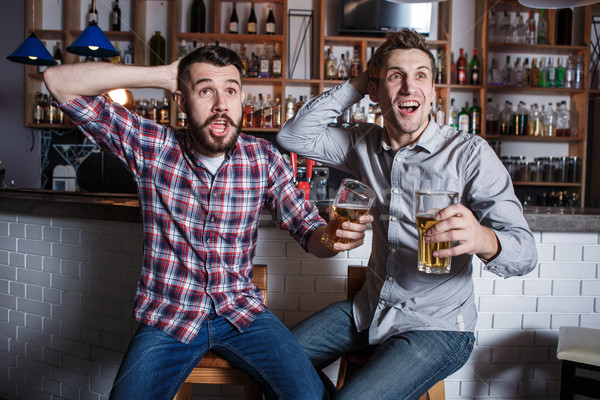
(408, 107)
(219, 127)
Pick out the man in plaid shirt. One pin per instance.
(201, 194)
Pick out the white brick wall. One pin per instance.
(66, 291)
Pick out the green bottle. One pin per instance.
(475, 118)
(157, 49)
(464, 122)
(197, 17)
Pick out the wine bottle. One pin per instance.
(475, 118)
(270, 23)
(461, 68)
(115, 17)
(197, 16)
(276, 65)
(474, 66)
(464, 122)
(234, 22)
(252, 24)
(58, 57)
(157, 49)
(92, 14)
(355, 64)
(330, 72)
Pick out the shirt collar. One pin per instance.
(428, 139)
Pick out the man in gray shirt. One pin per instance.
(419, 325)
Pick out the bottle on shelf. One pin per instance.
(495, 76)
(579, 72)
(259, 112)
(534, 121)
(507, 73)
(264, 63)
(531, 39)
(355, 64)
(181, 119)
(520, 120)
(330, 64)
(543, 26)
(252, 22)
(439, 71)
(543, 81)
(440, 115)
(519, 73)
(535, 73)
(164, 112)
(464, 122)
(183, 51)
(475, 118)
(268, 113)
(559, 81)
(115, 17)
(493, 26)
(452, 115)
(245, 62)
(92, 16)
(551, 71)
(116, 59)
(461, 68)
(549, 122)
(128, 56)
(564, 26)
(234, 22)
(491, 118)
(277, 113)
(157, 49)
(58, 56)
(198, 17)
(506, 116)
(153, 110)
(299, 105)
(526, 73)
(248, 118)
(518, 30)
(504, 30)
(371, 117)
(270, 22)
(289, 108)
(570, 73)
(38, 109)
(341, 71)
(562, 120)
(474, 67)
(253, 66)
(276, 62)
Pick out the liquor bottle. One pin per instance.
(253, 66)
(570, 74)
(277, 113)
(355, 64)
(535, 73)
(45, 107)
(439, 71)
(276, 64)
(157, 49)
(491, 118)
(264, 65)
(519, 73)
(38, 109)
(259, 112)
(461, 68)
(52, 114)
(542, 31)
(562, 120)
(520, 120)
(234, 22)
(115, 17)
(181, 119)
(559, 81)
(493, 26)
(579, 72)
(58, 57)
(116, 59)
(507, 73)
(128, 56)
(342, 70)
(463, 119)
(245, 62)
(475, 118)
(248, 117)
(526, 73)
(330, 65)
(504, 28)
(252, 23)
(289, 108)
(564, 26)
(268, 113)
(183, 51)
(474, 67)
(551, 71)
(299, 105)
(550, 122)
(518, 30)
(530, 28)
(506, 119)
(197, 16)
(270, 22)
(440, 115)
(153, 110)
(534, 121)
(495, 74)
(164, 112)
(543, 73)
(92, 16)
(371, 117)
(452, 115)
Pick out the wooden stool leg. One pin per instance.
(186, 392)
(567, 376)
(251, 389)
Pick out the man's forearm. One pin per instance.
(69, 81)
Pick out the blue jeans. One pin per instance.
(156, 365)
(405, 366)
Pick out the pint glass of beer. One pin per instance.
(352, 200)
(427, 205)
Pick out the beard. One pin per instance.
(202, 138)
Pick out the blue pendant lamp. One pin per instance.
(93, 43)
(32, 51)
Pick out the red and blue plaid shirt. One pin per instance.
(200, 232)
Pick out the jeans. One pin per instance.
(405, 366)
(156, 365)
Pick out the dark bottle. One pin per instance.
(461, 69)
(474, 66)
(475, 118)
(270, 24)
(58, 57)
(92, 14)
(157, 49)
(564, 26)
(115, 17)
(197, 16)
(252, 23)
(234, 22)
(164, 112)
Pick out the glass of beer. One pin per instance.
(352, 200)
(427, 204)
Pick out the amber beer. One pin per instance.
(427, 262)
(340, 214)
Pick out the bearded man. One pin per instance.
(201, 193)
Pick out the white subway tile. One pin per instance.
(484, 320)
(294, 250)
(473, 388)
(8, 272)
(17, 259)
(330, 266)
(501, 389)
(505, 354)
(33, 292)
(51, 234)
(565, 304)
(35, 336)
(531, 387)
(16, 289)
(537, 287)
(536, 321)
(16, 230)
(112, 227)
(110, 258)
(280, 266)
(570, 319)
(570, 237)
(507, 304)
(565, 252)
(507, 321)
(591, 253)
(70, 236)
(51, 265)
(284, 301)
(33, 277)
(532, 354)
(34, 262)
(276, 284)
(483, 286)
(8, 243)
(590, 287)
(546, 337)
(70, 252)
(507, 337)
(574, 270)
(3, 227)
(545, 252)
(566, 287)
(327, 284)
(270, 248)
(33, 306)
(300, 284)
(591, 320)
(33, 232)
(512, 286)
(33, 219)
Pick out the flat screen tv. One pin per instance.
(380, 16)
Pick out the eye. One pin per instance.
(394, 76)
(205, 92)
(231, 92)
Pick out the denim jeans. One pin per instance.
(403, 367)
(156, 365)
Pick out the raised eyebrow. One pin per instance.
(209, 80)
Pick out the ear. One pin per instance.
(180, 100)
(372, 91)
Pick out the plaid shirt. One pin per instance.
(200, 233)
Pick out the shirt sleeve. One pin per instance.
(134, 140)
(491, 197)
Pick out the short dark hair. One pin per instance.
(215, 55)
(405, 39)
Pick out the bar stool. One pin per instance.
(213, 369)
(350, 363)
(578, 348)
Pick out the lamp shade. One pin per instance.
(33, 52)
(93, 43)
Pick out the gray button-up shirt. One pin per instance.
(397, 297)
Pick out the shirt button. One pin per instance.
(392, 251)
(399, 159)
(394, 219)
(382, 302)
(395, 191)
(209, 241)
(212, 219)
(390, 278)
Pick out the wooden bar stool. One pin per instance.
(213, 369)
(350, 363)
(578, 348)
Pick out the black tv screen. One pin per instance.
(381, 16)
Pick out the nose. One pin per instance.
(408, 85)
(220, 102)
